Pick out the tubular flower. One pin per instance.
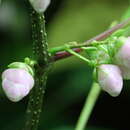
(40, 5)
(110, 79)
(122, 58)
(17, 83)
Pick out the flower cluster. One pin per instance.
(110, 76)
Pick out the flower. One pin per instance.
(17, 83)
(122, 58)
(40, 5)
(110, 79)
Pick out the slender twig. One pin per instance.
(41, 70)
(109, 31)
(63, 54)
(88, 107)
(79, 56)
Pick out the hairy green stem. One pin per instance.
(88, 107)
(42, 57)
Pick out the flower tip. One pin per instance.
(40, 5)
(114, 93)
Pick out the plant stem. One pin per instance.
(42, 58)
(88, 107)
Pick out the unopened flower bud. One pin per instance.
(110, 79)
(40, 5)
(17, 83)
(122, 58)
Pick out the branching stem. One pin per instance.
(59, 53)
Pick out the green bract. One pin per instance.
(22, 65)
(98, 53)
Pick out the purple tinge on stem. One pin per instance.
(122, 58)
(110, 79)
(17, 83)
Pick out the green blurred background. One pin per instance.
(70, 79)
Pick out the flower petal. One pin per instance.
(14, 91)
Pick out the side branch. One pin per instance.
(63, 54)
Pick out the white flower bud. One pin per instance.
(122, 58)
(110, 79)
(40, 5)
(17, 83)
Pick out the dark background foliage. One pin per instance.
(70, 79)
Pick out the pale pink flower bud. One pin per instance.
(122, 58)
(17, 83)
(110, 79)
(40, 5)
